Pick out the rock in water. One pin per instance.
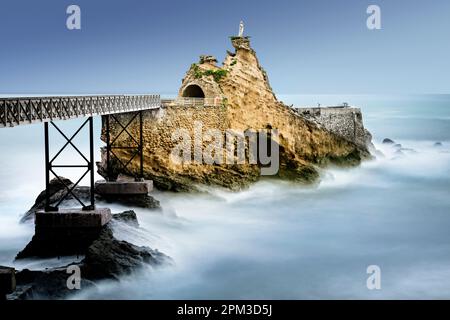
(388, 141)
(239, 99)
(48, 284)
(128, 217)
(141, 201)
(438, 144)
(108, 257)
(57, 190)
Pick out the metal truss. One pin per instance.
(21, 111)
(136, 147)
(50, 166)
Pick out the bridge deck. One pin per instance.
(28, 110)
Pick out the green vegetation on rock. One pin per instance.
(218, 74)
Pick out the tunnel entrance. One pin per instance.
(193, 91)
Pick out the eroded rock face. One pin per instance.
(252, 104)
(108, 257)
(245, 101)
(129, 217)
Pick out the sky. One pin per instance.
(306, 46)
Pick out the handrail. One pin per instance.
(192, 101)
(27, 110)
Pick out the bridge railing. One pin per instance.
(194, 102)
(19, 111)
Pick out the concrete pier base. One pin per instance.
(7, 281)
(123, 188)
(65, 232)
(72, 218)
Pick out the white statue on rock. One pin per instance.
(241, 29)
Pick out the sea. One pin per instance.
(277, 240)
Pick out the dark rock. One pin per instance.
(388, 141)
(291, 171)
(55, 186)
(438, 144)
(59, 242)
(66, 242)
(57, 191)
(26, 276)
(108, 257)
(174, 184)
(141, 201)
(7, 281)
(48, 284)
(398, 146)
(128, 217)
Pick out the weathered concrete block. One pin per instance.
(73, 218)
(65, 232)
(123, 187)
(7, 281)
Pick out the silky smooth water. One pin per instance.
(278, 240)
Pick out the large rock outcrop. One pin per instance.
(105, 258)
(238, 96)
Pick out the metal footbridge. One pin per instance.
(21, 111)
(28, 110)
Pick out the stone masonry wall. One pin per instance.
(158, 128)
(347, 122)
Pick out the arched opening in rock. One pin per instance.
(193, 91)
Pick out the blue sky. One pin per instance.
(307, 46)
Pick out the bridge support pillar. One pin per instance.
(50, 167)
(135, 146)
(65, 232)
(114, 186)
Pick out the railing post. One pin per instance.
(5, 108)
(91, 163)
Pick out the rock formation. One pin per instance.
(105, 258)
(237, 96)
